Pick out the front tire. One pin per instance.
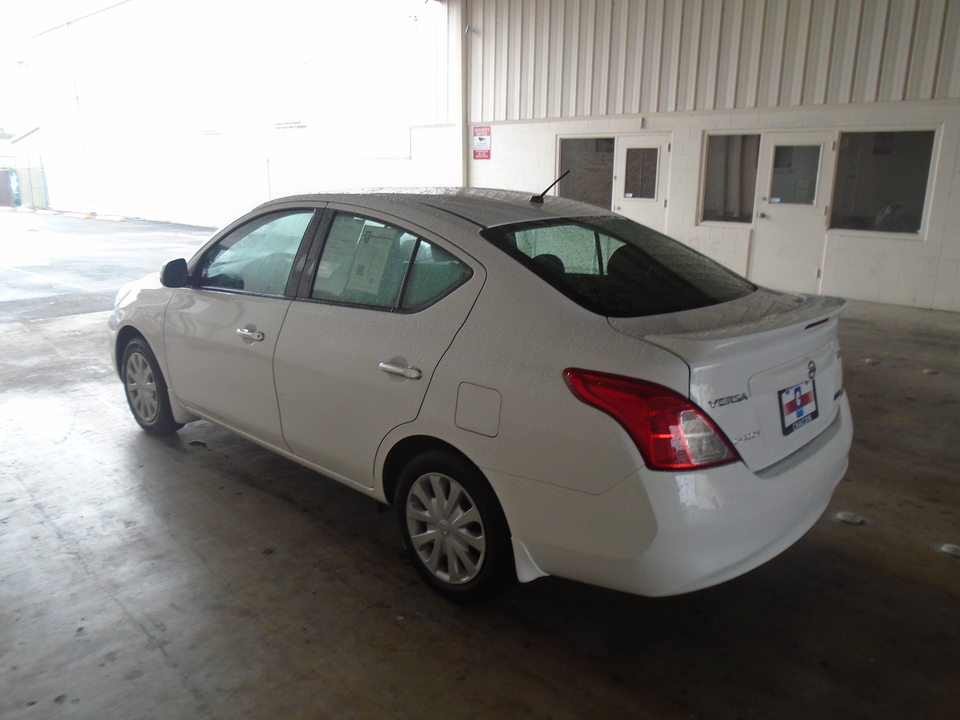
(146, 389)
(453, 528)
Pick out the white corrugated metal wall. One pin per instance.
(536, 59)
(539, 71)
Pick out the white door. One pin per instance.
(640, 179)
(794, 184)
(220, 337)
(354, 361)
(220, 357)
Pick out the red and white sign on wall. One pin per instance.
(481, 142)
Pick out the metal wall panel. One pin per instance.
(948, 77)
(534, 59)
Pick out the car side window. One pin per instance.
(258, 256)
(372, 263)
(434, 273)
(363, 262)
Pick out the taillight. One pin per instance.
(670, 431)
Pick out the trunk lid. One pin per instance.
(766, 368)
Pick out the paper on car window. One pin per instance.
(371, 259)
(334, 268)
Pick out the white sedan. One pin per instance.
(537, 386)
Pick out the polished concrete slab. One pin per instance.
(200, 576)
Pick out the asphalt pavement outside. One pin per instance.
(200, 576)
(52, 265)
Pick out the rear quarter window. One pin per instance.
(434, 273)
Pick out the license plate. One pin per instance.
(798, 406)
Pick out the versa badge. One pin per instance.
(727, 400)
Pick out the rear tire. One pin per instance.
(453, 528)
(146, 389)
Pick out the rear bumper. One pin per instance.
(714, 526)
(662, 533)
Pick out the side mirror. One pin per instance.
(174, 274)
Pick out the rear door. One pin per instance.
(355, 357)
(220, 336)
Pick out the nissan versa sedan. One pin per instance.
(537, 386)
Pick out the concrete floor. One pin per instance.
(202, 577)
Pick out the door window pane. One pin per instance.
(434, 273)
(795, 172)
(882, 180)
(640, 180)
(731, 177)
(590, 162)
(257, 257)
(363, 262)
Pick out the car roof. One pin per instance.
(481, 206)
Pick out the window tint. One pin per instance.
(257, 257)
(731, 177)
(618, 268)
(882, 180)
(434, 273)
(363, 262)
(561, 248)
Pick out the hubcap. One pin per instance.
(141, 387)
(445, 528)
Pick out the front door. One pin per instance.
(220, 335)
(641, 176)
(794, 182)
(220, 356)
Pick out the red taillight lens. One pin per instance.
(670, 431)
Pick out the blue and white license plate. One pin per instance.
(798, 406)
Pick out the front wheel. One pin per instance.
(454, 528)
(146, 389)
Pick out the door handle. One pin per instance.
(407, 371)
(762, 215)
(247, 334)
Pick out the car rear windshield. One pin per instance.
(618, 268)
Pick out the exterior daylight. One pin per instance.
(536, 385)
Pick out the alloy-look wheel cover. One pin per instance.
(141, 387)
(445, 528)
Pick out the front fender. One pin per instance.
(139, 311)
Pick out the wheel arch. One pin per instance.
(129, 332)
(404, 451)
(124, 336)
(508, 559)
